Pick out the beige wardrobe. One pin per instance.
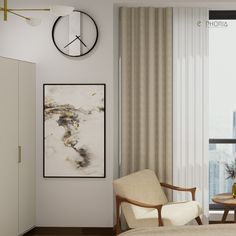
(17, 147)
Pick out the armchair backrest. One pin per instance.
(142, 186)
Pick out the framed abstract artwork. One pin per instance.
(74, 118)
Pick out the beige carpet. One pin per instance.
(208, 230)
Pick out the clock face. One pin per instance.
(75, 35)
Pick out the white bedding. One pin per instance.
(208, 230)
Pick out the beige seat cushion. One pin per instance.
(178, 213)
(142, 186)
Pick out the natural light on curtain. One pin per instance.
(190, 102)
(146, 90)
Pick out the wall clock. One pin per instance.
(75, 35)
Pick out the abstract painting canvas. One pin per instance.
(74, 130)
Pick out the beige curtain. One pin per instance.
(146, 90)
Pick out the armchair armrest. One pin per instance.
(191, 190)
(120, 199)
(140, 204)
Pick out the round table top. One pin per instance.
(225, 199)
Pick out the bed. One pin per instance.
(204, 230)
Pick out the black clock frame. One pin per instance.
(95, 42)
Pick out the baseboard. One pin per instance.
(70, 231)
(220, 222)
(217, 215)
(27, 231)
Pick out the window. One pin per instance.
(222, 99)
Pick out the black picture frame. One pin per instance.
(73, 120)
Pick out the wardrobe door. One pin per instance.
(8, 147)
(27, 144)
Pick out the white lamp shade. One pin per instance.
(33, 21)
(60, 10)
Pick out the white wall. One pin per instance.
(75, 202)
(67, 202)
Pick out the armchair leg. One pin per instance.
(118, 224)
(199, 221)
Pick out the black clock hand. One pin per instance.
(78, 37)
(71, 42)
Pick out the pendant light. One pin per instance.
(57, 10)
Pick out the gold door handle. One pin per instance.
(19, 154)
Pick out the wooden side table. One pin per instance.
(228, 202)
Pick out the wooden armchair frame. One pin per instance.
(172, 187)
(120, 200)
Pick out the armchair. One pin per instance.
(144, 203)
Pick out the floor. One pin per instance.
(36, 234)
(68, 234)
(46, 231)
(79, 232)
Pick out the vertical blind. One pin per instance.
(190, 102)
